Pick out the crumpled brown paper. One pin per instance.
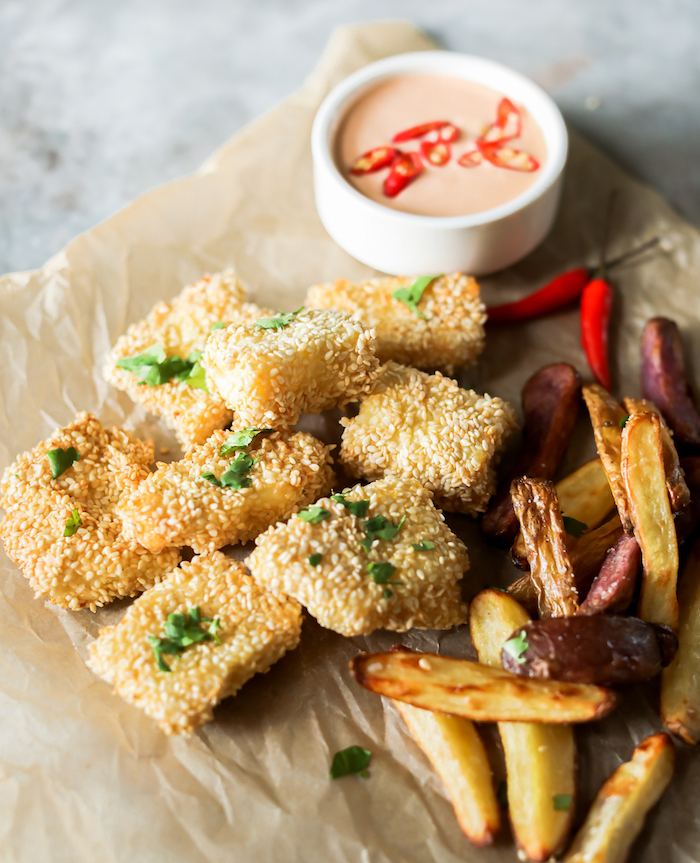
(86, 777)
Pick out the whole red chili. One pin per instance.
(596, 304)
(561, 291)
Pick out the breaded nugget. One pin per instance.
(313, 361)
(177, 506)
(255, 629)
(181, 327)
(427, 427)
(95, 563)
(450, 338)
(348, 587)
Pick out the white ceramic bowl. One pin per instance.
(401, 243)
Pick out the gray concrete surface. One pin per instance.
(100, 100)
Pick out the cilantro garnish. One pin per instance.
(354, 759)
(574, 527)
(235, 476)
(562, 802)
(382, 572)
(387, 594)
(240, 439)
(313, 514)
(355, 507)
(423, 545)
(315, 559)
(154, 368)
(379, 527)
(279, 322)
(182, 630)
(61, 459)
(623, 421)
(412, 296)
(72, 524)
(219, 325)
(516, 646)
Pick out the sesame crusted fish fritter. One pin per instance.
(247, 631)
(271, 371)
(444, 330)
(376, 556)
(427, 427)
(64, 532)
(181, 328)
(215, 497)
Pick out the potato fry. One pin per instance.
(613, 588)
(454, 748)
(678, 491)
(583, 495)
(645, 485)
(540, 757)
(606, 415)
(680, 682)
(620, 807)
(537, 507)
(477, 691)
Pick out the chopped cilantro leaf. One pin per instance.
(209, 476)
(412, 296)
(354, 759)
(154, 368)
(573, 527)
(387, 594)
(379, 527)
(181, 631)
(623, 420)
(61, 459)
(562, 802)
(382, 572)
(72, 524)
(313, 514)
(279, 322)
(240, 439)
(423, 545)
(516, 646)
(196, 378)
(315, 559)
(219, 325)
(235, 476)
(354, 507)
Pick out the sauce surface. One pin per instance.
(449, 190)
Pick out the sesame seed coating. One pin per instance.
(427, 427)
(452, 337)
(181, 327)
(175, 506)
(270, 376)
(99, 562)
(340, 592)
(256, 629)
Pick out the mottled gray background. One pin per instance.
(100, 100)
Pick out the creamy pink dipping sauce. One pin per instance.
(449, 190)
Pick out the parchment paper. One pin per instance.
(86, 777)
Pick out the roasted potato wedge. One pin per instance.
(680, 683)
(477, 691)
(606, 649)
(537, 507)
(620, 807)
(540, 757)
(550, 404)
(613, 588)
(607, 417)
(583, 495)
(454, 748)
(664, 381)
(645, 487)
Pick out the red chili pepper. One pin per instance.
(596, 303)
(470, 159)
(448, 134)
(375, 160)
(405, 169)
(437, 153)
(561, 291)
(508, 125)
(419, 131)
(505, 157)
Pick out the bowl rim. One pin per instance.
(546, 113)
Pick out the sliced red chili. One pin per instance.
(508, 125)
(374, 160)
(405, 169)
(448, 134)
(437, 153)
(561, 291)
(596, 304)
(470, 159)
(505, 157)
(419, 131)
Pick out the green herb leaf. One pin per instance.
(382, 572)
(154, 368)
(240, 439)
(562, 802)
(379, 527)
(61, 459)
(355, 507)
(219, 325)
(423, 545)
(313, 514)
(516, 647)
(235, 475)
(315, 559)
(573, 527)
(354, 759)
(387, 594)
(181, 631)
(623, 420)
(502, 795)
(72, 524)
(279, 322)
(412, 296)
(209, 476)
